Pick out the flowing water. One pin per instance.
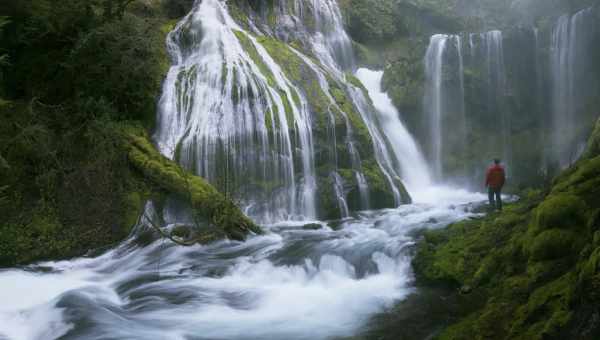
(444, 100)
(294, 282)
(413, 168)
(291, 283)
(570, 62)
(226, 119)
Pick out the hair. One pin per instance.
(496, 161)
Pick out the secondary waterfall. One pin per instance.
(444, 99)
(491, 44)
(444, 103)
(413, 168)
(570, 61)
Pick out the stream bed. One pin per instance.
(294, 282)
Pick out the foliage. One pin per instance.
(77, 72)
(371, 20)
(78, 52)
(177, 8)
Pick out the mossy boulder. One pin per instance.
(169, 176)
(593, 148)
(560, 211)
(552, 244)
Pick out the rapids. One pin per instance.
(292, 283)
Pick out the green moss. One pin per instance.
(593, 148)
(552, 244)
(203, 197)
(292, 65)
(361, 132)
(133, 205)
(165, 29)
(559, 211)
(253, 53)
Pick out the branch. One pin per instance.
(190, 243)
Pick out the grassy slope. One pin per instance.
(536, 263)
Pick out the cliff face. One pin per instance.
(514, 96)
(536, 263)
(282, 91)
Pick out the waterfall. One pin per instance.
(413, 168)
(316, 24)
(444, 99)
(572, 38)
(434, 97)
(496, 92)
(225, 119)
(237, 116)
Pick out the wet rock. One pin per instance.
(335, 225)
(312, 226)
(182, 231)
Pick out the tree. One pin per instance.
(114, 9)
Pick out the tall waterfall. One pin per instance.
(570, 61)
(231, 113)
(444, 99)
(444, 102)
(496, 91)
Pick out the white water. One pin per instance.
(570, 61)
(434, 100)
(288, 284)
(414, 169)
(496, 73)
(230, 114)
(213, 115)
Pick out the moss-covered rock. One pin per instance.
(552, 244)
(169, 176)
(560, 211)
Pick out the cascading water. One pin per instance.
(231, 114)
(496, 91)
(223, 118)
(572, 39)
(444, 99)
(413, 168)
(288, 284)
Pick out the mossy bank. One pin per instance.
(536, 264)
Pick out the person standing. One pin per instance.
(494, 180)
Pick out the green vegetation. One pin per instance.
(73, 78)
(536, 263)
(203, 197)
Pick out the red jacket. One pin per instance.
(495, 177)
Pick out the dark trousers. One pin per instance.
(495, 196)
